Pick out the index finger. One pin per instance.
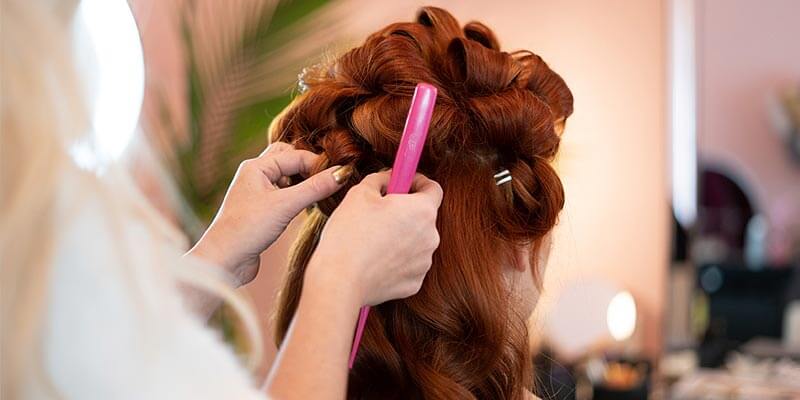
(424, 186)
(287, 162)
(376, 181)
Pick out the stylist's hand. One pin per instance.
(259, 205)
(379, 247)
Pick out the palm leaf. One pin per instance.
(242, 60)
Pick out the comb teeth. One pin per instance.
(502, 177)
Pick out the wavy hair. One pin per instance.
(459, 337)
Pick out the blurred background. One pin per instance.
(674, 272)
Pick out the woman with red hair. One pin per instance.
(493, 135)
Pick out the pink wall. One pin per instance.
(614, 226)
(747, 52)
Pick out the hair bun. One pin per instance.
(494, 109)
(459, 337)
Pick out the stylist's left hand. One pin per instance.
(259, 205)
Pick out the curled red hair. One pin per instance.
(459, 337)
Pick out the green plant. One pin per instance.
(242, 60)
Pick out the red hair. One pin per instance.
(459, 337)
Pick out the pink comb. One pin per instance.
(405, 167)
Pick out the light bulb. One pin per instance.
(621, 316)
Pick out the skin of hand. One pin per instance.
(259, 205)
(380, 245)
(373, 248)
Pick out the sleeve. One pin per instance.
(115, 326)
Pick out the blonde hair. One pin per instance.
(44, 113)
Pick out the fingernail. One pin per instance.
(342, 174)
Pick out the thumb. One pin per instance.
(317, 187)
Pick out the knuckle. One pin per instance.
(246, 164)
(435, 240)
(412, 288)
(418, 284)
(278, 146)
(437, 189)
(373, 176)
(355, 192)
(373, 201)
(316, 185)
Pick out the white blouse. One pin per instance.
(115, 326)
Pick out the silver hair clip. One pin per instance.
(502, 177)
(302, 86)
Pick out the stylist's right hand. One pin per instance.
(380, 245)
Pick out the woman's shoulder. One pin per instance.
(113, 301)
